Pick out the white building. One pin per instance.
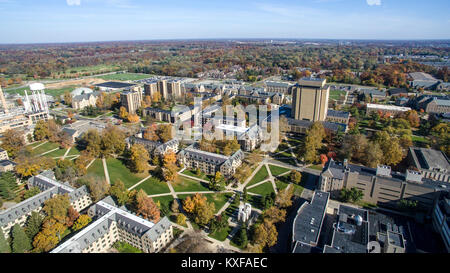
(245, 210)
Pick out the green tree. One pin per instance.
(242, 238)
(20, 241)
(41, 131)
(33, 225)
(31, 192)
(112, 141)
(8, 185)
(4, 246)
(119, 192)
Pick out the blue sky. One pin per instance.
(38, 21)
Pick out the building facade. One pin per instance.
(433, 164)
(380, 186)
(131, 100)
(210, 163)
(310, 100)
(79, 199)
(114, 224)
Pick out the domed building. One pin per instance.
(81, 91)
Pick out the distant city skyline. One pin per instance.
(56, 21)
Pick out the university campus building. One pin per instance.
(49, 186)
(210, 163)
(112, 224)
(380, 186)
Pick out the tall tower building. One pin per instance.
(162, 88)
(310, 100)
(131, 100)
(2, 98)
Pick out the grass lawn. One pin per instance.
(336, 94)
(57, 153)
(294, 141)
(32, 145)
(219, 199)
(255, 201)
(74, 151)
(118, 171)
(281, 185)
(164, 200)
(288, 160)
(261, 175)
(193, 174)
(96, 169)
(183, 184)
(125, 77)
(263, 189)
(316, 167)
(123, 247)
(420, 139)
(153, 186)
(221, 234)
(276, 170)
(45, 148)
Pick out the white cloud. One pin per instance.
(73, 2)
(373, 2)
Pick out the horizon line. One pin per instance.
(237, 39)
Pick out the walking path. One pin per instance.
(140, 182)
(105, 168)
(39, 145)
(193, 177)
(90, 163)
(44, 153)
(66, 153)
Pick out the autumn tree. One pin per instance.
(72, 215)
(150, 133)
(146, 207)
(164, 132)
(123, 114)
(295, 176)
(390, 145)
(133, 118)
(181, 219)
(198, 206)
(217, 183)
(81, 222)
(274, 215)
(41, 130)
(68, 98)
(30, 165)
(57, 207)
(112, 141)
(12, 142)
(284, 197)
(91, 140)
(98, 188)
(139, 158)
(373, 155)
(313, 142)
(50, 235)
(265, 234)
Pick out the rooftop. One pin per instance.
(387, 107)
(308, 222)
(115, 84)
(430, 159)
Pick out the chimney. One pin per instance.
(2, 98)
(413, 176)
(383, 170)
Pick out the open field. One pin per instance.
(219, 199)
(261, 175)
(96, 169)
(45, 148)
(183, 184)
(263, 189)
(118, 171)
(125, 77)
(193, 174)
(153, 186)
(276, 170)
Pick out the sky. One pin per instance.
(49, 21)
